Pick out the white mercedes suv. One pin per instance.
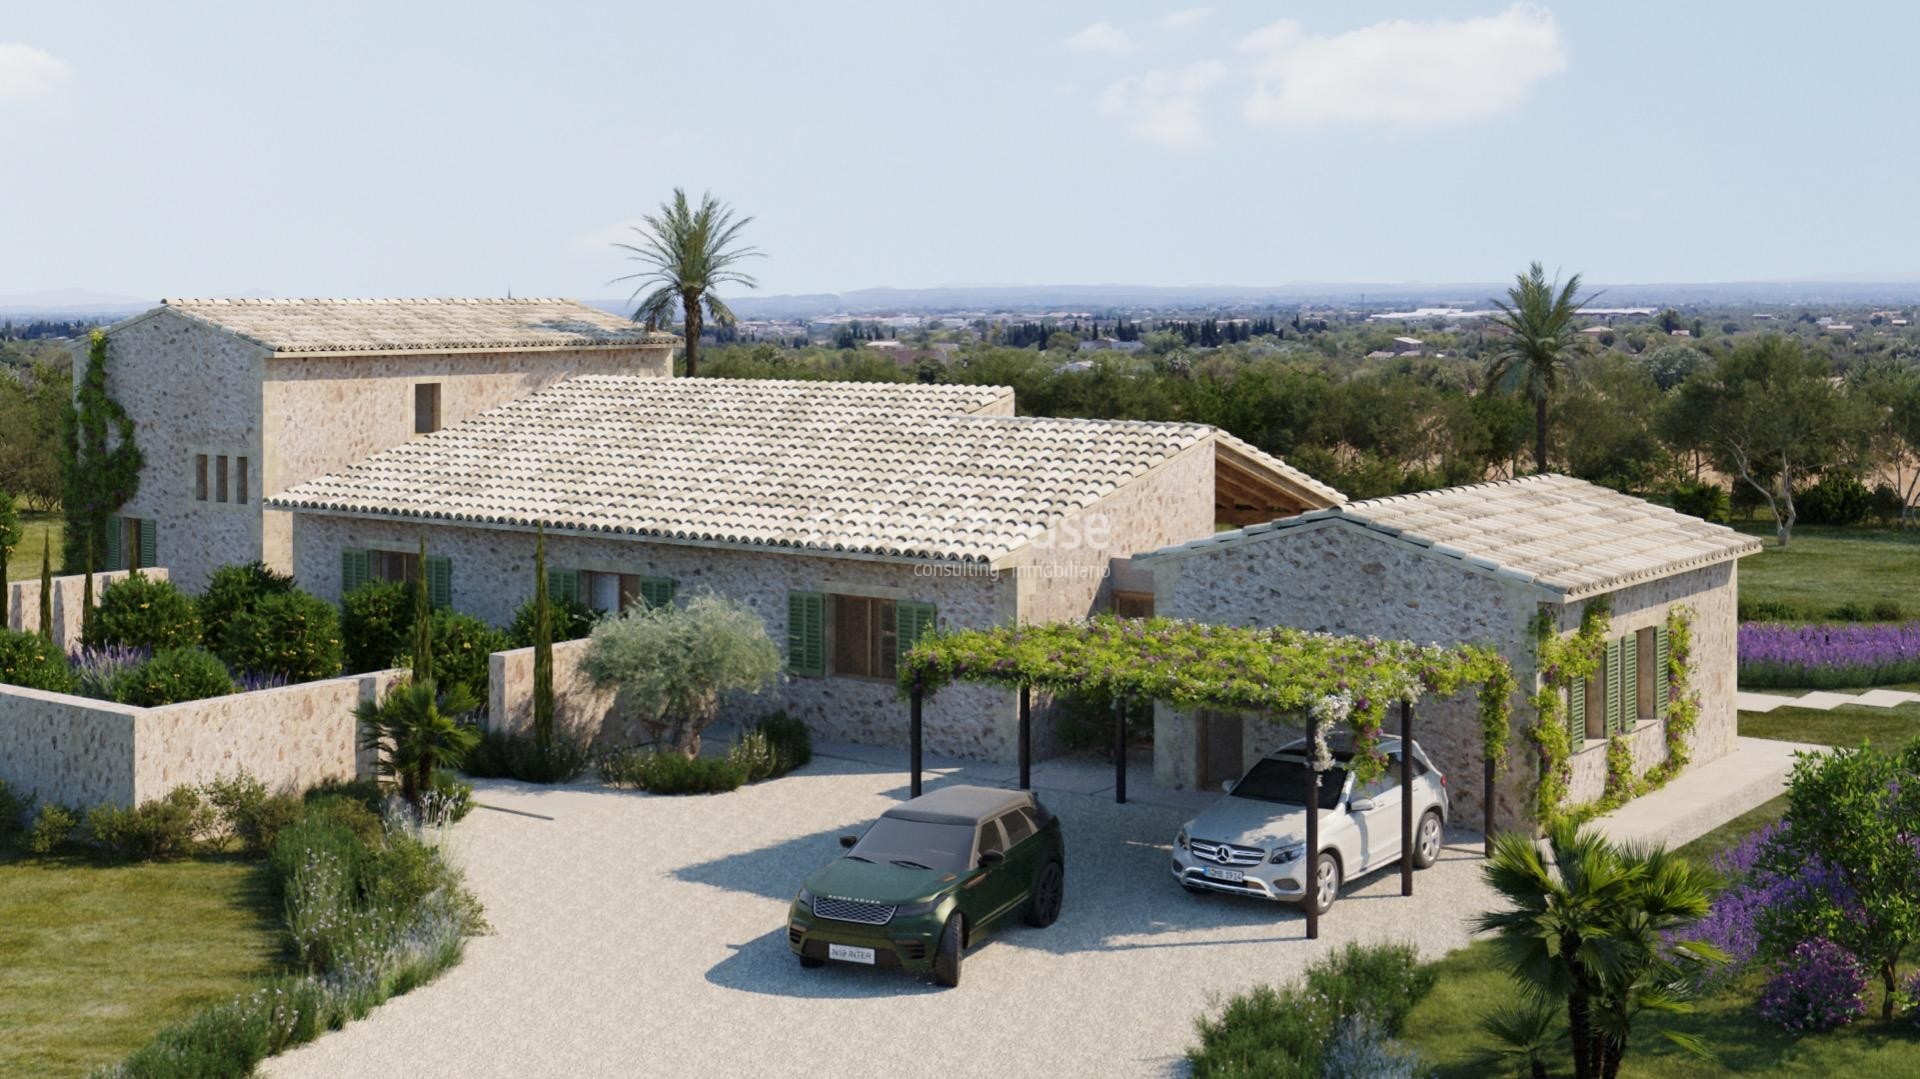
(1253, 840)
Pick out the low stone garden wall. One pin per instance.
(577, 706)
(23, 603)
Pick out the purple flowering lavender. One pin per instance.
(249, 681)
(101, 669)
(1819, 987)
(1912, 989)
(1828, 656)
(1738, 919)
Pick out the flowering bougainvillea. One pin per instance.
(1277, 670)
(1819, 987)
(1773, 654)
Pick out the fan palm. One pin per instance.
(1540, 341)
(415, 731)
(1592, 929)
(688, 252)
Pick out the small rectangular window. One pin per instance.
(1133, 604)
(426, 408)
(1597, 702)
(240, 480)
(220, 478)
(400, 566)
(199, 477)
(864, 637)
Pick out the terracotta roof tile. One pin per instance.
(353, 326)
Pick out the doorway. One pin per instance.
(1222, 749)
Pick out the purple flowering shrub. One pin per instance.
(249, 681)
(1819, 987)
(1828, 656)
(1912, 990)
(102, 669)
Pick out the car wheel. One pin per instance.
(1325, 886)
(946, 960)
(1427, 841)
(1049, 891)
(810, 962)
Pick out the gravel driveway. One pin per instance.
(643, 935)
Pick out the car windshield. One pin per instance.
(1284, 780)
(943, 847)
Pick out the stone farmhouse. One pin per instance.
(1466, 565)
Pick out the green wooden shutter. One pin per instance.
(806, 633)
(115, 553)
(355, 568)
(149, 544)
(656, 591)
(1577, 710)
(1629, 681)
(439, 580)
(1613, 686)
(910, 621)
(1661, 657)
(563, 586)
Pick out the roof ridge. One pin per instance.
(1510, 481)
(391, 301)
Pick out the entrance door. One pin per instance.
(1222, 749)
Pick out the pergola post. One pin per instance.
(1312, 856)
(1406, 797)
(1486, 802)
(1026, 737)
(913, 739)
(1120, 750)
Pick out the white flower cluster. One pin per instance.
(1328, 712)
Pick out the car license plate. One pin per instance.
(1213, 873)
(850, 954)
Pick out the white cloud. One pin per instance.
(27, 72)
(1401, 73)
(1101, 37)
(1163, 106)
(1185, 17)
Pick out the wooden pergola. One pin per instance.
(1272, 672)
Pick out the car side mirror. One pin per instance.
(991, 858)
(849, 840)
(1360, 805)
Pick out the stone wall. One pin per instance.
(23, 603)
(578, 707)
(81, 752)
(492, 571)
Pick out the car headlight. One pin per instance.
(1287, 854)
(805, 899)
(910, 910)
(1181, 839)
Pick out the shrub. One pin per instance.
(1303, 1030)
(772, 746)
(30, 660)
(1769, 610)
(14, 810)
(571, 620)
(461, 645)
(1887, 610)
(450, 798)
(144, 612)
(681, 661)
(507, 755)
(415, 731)
(101, 672)
(292, 633)
(166, 827)
(247, 813)
(1911, 990)
(367, 792)
(376, 624)
(670, 773)
(1850, 611)
(178, 674)
(1707, 501)
(1362, 1050)
(52, 829)
(232, 589)
(1886, 505)
(1835, 500)
(332, 828)
(1819, 987)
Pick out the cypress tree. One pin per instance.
(542, 647)
(86, 595)
(46, 587)
(422, 623)
(100, 463)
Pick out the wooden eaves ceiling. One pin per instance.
(1248, 489)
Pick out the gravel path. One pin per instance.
(644, 936)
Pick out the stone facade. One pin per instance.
(23, 603)
(192, 389)
(1335, 577)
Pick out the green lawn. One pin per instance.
(39, 529)
(1824, 567)
(95, 959)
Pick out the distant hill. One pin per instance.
(62, 304)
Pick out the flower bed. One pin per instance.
(1828, 656)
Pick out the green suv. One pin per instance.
(931, 877)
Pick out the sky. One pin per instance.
(481, 148)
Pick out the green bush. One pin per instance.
(167, 827)
(178, 674)
(328, 829)
(506, 755)
(1286, 1033)
(670, 773)
(234, 588)
(144, 612)
(1886, 504)
(1850, 611)
(52, 829)
(14, 811)
(1835, 500)
(30, 660)
(367, 792)
(461, 645)
(773, 746)
(1769, 610)
(452, 796)
(1888, 610)
(296, 634)
(1707, 501)
(570, 618)
(376, 624)
(247, 813)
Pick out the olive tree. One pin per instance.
(675, 663)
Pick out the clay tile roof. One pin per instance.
(359, 326)
(889, 469)
(1567, 536)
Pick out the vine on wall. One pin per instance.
(1562, 661)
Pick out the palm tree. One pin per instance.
(415, 733)
(1541, 340)
(1592, 929)
(687, 252)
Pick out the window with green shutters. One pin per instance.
(807, 633)
(115, 554)
(563, 585)
(657, 591)
(439, 580)
(355, 568)
(910, 620)
(1660, 660)
(149, 542)
(1629, 683)
(1614, 698)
